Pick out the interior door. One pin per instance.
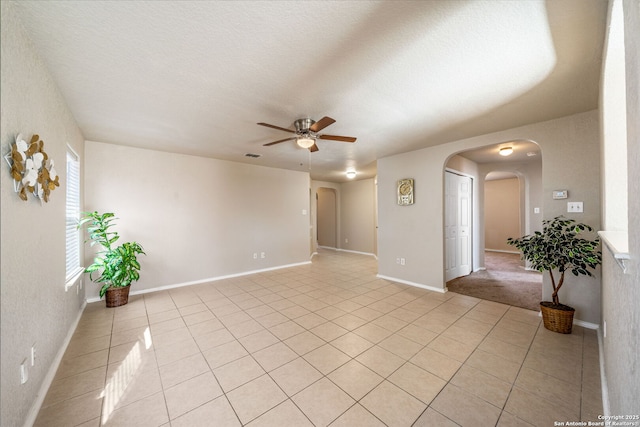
(458, 205)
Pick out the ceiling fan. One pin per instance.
(307, 131)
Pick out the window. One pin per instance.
(73, 267)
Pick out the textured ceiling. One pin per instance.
(196, 77)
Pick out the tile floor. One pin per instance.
(315, 345)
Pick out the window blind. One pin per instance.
(72, 216)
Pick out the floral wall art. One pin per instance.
(31, 168)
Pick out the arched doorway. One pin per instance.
(507, 205)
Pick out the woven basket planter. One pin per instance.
(557, 318)
(115, 297)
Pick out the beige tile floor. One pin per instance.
(320, 344)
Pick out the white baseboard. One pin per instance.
(51, 373)
(414, 284)
(210, 279)
(502, 251)
(358, 252)
(603, 376)
(587, 325)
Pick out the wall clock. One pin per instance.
(405, 192)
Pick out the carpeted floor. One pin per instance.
(505, 280)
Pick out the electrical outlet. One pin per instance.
(397, 260)
(262, 255)
(255, 255)
(346, 240)
(402, 261)
(33, 355)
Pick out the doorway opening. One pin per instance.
(326, 214)
(506, 200)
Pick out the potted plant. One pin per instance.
(115, 267)
(559, 247)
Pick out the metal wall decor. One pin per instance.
(405, 192)
(31, 168)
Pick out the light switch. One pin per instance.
(574, 207)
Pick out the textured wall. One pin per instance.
(621, 292)
(501, 213)
(327, 213)
(358, 216)
(570, 153)
(35, 307)
(198, 218)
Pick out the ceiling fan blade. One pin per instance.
(278, 142)
(338, 138)
(313, 148)
(321, 124)
(276, 127)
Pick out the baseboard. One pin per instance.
(414, 284)
(210, 279)
(603, 376)
(587, 325)
(357, 252)
(502, 251)
(51, 373)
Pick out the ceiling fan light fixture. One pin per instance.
(305, 141)
(506, 151)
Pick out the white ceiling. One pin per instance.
(195, 77)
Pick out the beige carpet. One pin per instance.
(505, 280)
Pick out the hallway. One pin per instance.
(505, 281)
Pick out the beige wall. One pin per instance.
(416, 232)
(327, 214)
(34, 304)
(356, 219)
(620, 291)
(501, 213)
(198, 218)
(358, 216)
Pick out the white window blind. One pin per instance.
(73, 214)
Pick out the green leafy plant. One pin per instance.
(560, 247)
(113, 266)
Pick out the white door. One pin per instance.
(458, 203)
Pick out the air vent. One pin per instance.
(255, 156)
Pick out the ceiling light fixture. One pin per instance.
(305, 141)
(351, 173)
(506, 151)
